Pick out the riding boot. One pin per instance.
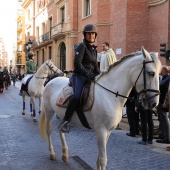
(63, 126)
(22, 89)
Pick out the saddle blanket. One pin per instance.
(66, 94)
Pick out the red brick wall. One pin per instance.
(118, 27)
(158, 27)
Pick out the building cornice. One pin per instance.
(26, 3)
(157, 2)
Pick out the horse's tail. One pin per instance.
(42, 125)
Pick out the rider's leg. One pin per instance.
(22, 89)
(78, 83)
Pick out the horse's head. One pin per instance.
(146, 79)
(52, 69)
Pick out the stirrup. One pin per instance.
(20, 93)
(64, 128)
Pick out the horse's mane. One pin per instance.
(120, 61)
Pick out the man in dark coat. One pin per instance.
(163, 116)
(85, 70)
(132, 116)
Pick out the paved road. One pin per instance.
(21, 147)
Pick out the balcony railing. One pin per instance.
(57, 29)
(42, 39)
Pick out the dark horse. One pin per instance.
(6, 81)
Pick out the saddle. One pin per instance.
(86, 100)
(26, 85)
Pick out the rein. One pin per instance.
(52, 70)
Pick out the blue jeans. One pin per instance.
(78, 82)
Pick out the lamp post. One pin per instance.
(28, 46)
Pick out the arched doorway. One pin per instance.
(62, 57)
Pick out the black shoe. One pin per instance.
(158, 137)
(163, 141)
(129, 134)
(149, 142)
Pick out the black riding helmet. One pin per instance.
(90, 28)
(30, 55)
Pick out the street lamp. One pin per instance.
(28, 45)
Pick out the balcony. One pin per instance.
(57, 31)
(41, 40)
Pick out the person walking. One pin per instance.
(14, 77)
(85, 70)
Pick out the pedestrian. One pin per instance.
(5, 71)
(162, 115)
(166, 124)
(132, 116)
(31, 68)
(14, 77)
(85, 70)
(1, 79)
(106, 57)
(147, 125)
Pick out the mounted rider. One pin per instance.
(85, 70)
(31, 68)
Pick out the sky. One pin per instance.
(8, 24)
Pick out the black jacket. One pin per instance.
(163, 86)
(85, 61)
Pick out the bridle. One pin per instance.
(144, 91)
(52, 70)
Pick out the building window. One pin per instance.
(50, 52)
(86, 8)
(37, 32)
(28, 14)
(43, 28)
(42, 56)
(62, 14)
(63, 57)
(37, 55)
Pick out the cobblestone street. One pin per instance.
(21, 147)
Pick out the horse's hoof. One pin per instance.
(65, 158)
(31, 114)
(52, 157)
(34, 120)
(23, 113)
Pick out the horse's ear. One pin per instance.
(144, 52)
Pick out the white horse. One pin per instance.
(36, 86)
(111, 88)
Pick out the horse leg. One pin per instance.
(23, 111)
(102, 138)
(34, 109)
(31, 112)
(48, 131)
(40, 101)
(64, 147)
(45, 130)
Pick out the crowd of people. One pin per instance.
(140, 118)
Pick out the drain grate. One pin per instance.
(82, 163)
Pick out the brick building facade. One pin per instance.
(54, 26)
